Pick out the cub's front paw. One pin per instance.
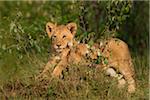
(131, 88)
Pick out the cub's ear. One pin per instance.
(49, 29)
(72, 27)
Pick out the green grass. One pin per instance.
(79, 82)
(24, 50)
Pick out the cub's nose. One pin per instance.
(58, 45)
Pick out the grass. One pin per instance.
(24, 50)
(79, 82)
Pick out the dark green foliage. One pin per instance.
(135, 31)
(95, 20)
(118, 11)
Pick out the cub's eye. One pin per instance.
(64, 36)
(54, 37)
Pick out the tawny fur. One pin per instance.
(69, 51)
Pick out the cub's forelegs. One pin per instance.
(59, 68)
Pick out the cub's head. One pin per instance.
(62, 35)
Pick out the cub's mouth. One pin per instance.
(59, 50)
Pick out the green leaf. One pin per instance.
(98, 60)
(91, 42)
(106, 61)
(119, 18)
(127, 9)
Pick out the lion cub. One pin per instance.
(70, 51)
